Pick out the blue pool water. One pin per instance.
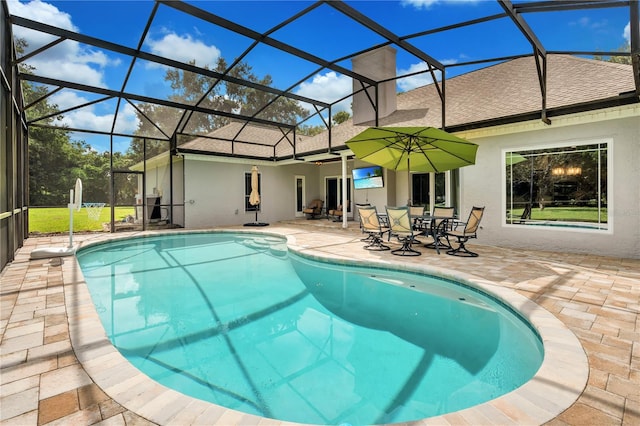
(236, 320)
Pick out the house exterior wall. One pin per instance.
(214, 192)
(483, 184)
(378, 197)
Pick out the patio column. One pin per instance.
(344, 191)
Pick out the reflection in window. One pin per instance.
(562, 186)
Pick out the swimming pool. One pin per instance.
(328, 333)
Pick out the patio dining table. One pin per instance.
(435, 227)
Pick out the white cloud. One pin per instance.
(409, 83)
(65, 68)
(72, 62)
(587, 22)
(127, 120)
(626, 33)
(184, 48)
(67, 60)
(419, 4)
(426, 4)
(39, 11)
(88, 119)
(328, 88)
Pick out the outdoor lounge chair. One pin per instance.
(313, 209)
(336, 213)
(469, 231)
(402, 228)
(371, 225)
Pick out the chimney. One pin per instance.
(379, 64)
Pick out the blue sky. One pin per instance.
(324, 32)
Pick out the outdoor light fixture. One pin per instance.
(566, 171)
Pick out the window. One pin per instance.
(247, 192)
(563, 186)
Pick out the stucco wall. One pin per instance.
(214, 192)
(378, 197)
(483, 185)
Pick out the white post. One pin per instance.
(71, 207)
(344, 201)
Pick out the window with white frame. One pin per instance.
(562, 186)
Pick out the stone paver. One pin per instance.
(42, 380)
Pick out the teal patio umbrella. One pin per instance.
(415, 149)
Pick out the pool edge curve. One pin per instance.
(557, 384)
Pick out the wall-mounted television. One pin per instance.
(368, 177)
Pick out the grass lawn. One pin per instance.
(47, 220)
(565, 214)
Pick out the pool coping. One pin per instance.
(558, 383)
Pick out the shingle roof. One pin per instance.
(251, 139)
(507, 89)
(512, 88)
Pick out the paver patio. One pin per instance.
(45, 380)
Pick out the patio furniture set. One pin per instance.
(407, 224)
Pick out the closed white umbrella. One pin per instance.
(254, 197)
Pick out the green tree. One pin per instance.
(340, 117)
(309, 130)
(50, 150)
(95, 167)
(191, 88)
(626, 47)
(55, 161)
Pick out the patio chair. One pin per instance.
(416, 211)
(337, 213)
(371, 225)
(402, 228)
(469, 231)
(314, 208)
(415, 214)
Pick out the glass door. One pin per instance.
(434, 189)
(299, 188)
(333, 193)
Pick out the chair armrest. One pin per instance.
(455, 223)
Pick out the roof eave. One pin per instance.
(622, 99)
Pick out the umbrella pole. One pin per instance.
(408, 183)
